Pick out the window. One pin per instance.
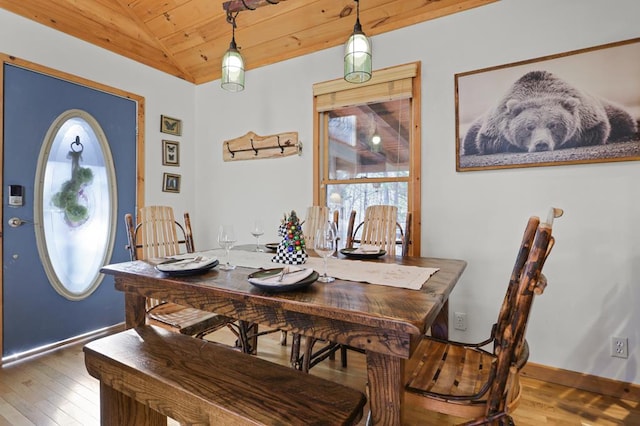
(367, 145)
(75, 189)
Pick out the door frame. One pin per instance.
(140, 101)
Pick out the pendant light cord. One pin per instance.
(357, 27)
(231, 18)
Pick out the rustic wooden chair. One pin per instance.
(157, 234)
(481, 381)
(316, 216)
(380, 227)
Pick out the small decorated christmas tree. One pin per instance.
(291, 250)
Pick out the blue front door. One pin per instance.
(35, 314)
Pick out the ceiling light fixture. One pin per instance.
(374, 135)
(232, 62)
(357, 54)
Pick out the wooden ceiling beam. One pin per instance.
(240, 5)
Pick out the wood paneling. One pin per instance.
(187, 38)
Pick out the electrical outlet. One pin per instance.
(460, 321)
(620, 347)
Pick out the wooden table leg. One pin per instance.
(386, 393)
(134, 310)
(118, 409)
(440, 327)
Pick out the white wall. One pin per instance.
(476, 216)
(164, 94)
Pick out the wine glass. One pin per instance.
(257, 231)
(324, 245)
(336, 236)
(226, 240)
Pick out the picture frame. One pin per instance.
(170, 153)
(576, 107)
(171, 182)
(171, 126)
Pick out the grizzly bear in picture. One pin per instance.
(541, 112)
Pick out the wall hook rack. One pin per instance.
(252, 146)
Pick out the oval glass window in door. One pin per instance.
(75, 204)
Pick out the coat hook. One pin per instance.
(281, 147)
(233, 154)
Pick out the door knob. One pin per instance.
(14, 222)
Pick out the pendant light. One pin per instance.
(375, 139)
(357, 54)
(232, 62)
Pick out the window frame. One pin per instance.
(403, 81)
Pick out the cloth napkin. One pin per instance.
(367, 249)
(184, 262)
(292, 275)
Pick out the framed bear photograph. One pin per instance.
(575, 107)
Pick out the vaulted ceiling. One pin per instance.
(187, 38)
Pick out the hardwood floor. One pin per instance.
(55, 389)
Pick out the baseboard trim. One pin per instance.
(587, 382)
(52, 347)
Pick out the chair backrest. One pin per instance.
(526, 281)
(316, 216)
(157, 233)
(381, 228)
(512, 289)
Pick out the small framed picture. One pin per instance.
(171, 182)
(170, 153)
(169, 125)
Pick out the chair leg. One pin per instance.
(308, 351)
(294, 360)
(253, 341)
(283, 338)
(309, 358)
(248, 339)
(343, 355)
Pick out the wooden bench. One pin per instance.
(148, 373)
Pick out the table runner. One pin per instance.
(389, 274)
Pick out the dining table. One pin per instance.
(385, 321)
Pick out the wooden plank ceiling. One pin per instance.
(187, 38)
